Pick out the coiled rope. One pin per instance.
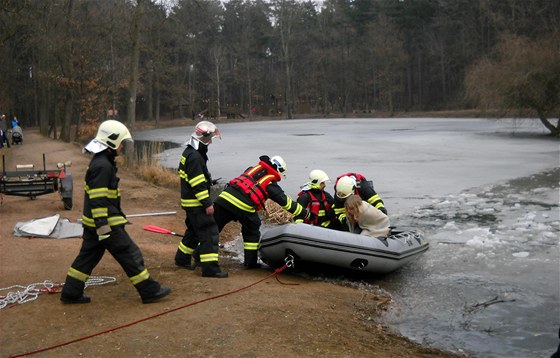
(288, 263)
(32, 291)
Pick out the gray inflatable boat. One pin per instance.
(315, 244)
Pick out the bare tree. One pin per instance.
(287, 14)
(525, 75)
(388, 60)
(134, 64)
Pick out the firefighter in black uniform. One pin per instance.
(316, 200)
(103, 222)
(353, 183)
(246, 194)
(195, 200)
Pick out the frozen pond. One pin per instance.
(485, 192)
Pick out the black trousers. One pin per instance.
(4, 138)
(250, 228)
(123, 249)
(203, 235)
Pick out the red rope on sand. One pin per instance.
(275, 273)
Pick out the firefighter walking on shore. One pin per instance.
(103, 222)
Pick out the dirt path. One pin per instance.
(303, 319)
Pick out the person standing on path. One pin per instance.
(4, 131)
(202, 232)
(103, 222)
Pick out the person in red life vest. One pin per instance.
(103, 222)
(246, 194)
(316, 200)
(353, 183)
(195, 200)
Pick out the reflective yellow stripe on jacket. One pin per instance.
(112, 221)
(102, 192)
(204, 194)
(236, 202)
(288, 206)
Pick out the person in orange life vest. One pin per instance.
(246, 194)
(195, 200)
(316, 200)
(353, 183)
(364, 219)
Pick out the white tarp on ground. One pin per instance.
(49, 227)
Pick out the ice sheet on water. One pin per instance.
(514, 212)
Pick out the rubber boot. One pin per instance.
(251, 258)
(212, 269)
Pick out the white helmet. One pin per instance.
(345, 187)
(316, 177)
(110, 134)
(280, 164)
(205, 131)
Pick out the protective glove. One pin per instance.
(103, 232)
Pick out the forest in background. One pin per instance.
(68, 64)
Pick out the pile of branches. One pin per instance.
(274, 214)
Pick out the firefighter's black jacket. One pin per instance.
(195, 178)
(102, 199)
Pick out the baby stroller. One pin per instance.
(17, 135)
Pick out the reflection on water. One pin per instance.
(147, 150)
(143, 145)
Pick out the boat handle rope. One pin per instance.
(288, 261)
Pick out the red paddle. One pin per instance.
(160, 230)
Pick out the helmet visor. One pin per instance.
(206, 136)
(95, 146)
(279, 166)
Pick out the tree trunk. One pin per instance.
(554, 130)
(134, 64)
(55, 120)
(442, 74)
(288, 95)
(150, 91)
(218, 113)
(67, 119)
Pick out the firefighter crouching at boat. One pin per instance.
(195, 200)
(353, 183)
(103, 222)
(246, 194)
(316, 200)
